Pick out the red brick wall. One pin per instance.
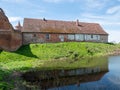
(56, 38)
(16, 40)
(53, 38)
(10, 40)
(41, 38)
(5, 38)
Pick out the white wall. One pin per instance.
(71, 37)
(82, 37)
(92, 37)
(79, 37)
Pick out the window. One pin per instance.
(79, 37)
(34, 35)
(47, 36)
(98, 37)
(61, 37)
(91, 36)
(71, 37)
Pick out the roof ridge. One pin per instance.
(59, 20)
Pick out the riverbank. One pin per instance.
(38, 55)
(52, 56)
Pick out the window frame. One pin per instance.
(47, 36)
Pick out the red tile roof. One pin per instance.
(55, 26)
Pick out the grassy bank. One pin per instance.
(36, 55)
(51, 56)
(30, 55)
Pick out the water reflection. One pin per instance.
(59, 80)
(80, 86)
(74, 79)
(110, 81)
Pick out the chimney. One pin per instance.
(77, 22)
(44, 19)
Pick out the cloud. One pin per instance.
(114, 35)
(98, 4)
(110, 23)
(58, 1)
(113, 10)
(91, 16)
(53, 1)
(13, 1)
(102, 19)
(14, 19)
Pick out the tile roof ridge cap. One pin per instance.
(33, 18)
(50, 20)
(61, 21)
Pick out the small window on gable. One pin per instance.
(47, 36)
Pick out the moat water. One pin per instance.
(106, 77)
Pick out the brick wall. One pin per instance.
(16, 40)
(41, 38)
(10, 40)
(30, 37)
(5, 38)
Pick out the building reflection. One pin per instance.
(50, 80)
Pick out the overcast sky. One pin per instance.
(104, 12)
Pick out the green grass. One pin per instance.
(29, 54)
(33, 55)
(52, 56)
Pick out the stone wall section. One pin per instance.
(10, 39)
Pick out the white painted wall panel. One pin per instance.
(79, 37)
(71, 37)
(92, 37)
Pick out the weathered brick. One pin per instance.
(10, 39)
